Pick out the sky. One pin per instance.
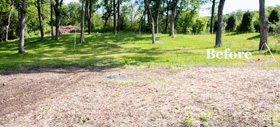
(230, 5)
(234, 5)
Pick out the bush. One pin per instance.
(247, 23)
(257, 25)
(216, 25)
(274, 17)
(231, 23)
(199, 26)
(276, 28)
(97, 22)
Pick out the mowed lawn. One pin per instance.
(128, 49)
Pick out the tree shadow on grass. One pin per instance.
(254, 37)
(51, 53)
(233, 33)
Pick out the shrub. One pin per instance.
(199, 26)
(257, 25)
(276, 28)
(247, 23)
(216, 25)
(274, 17)
(231, 23)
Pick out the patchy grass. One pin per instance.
(127, 49)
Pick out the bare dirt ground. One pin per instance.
(157, 96)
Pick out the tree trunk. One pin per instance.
(86, 11)
(9, 19)
(166, 23)
(22, 25)
(221, 24)
(57, 15)
(148, 18)
(173, 15)
(106, 19)
(119, 18)
(19, 13)
(83, 22)
(140, 25)
(131, 15)
(115, 18)
(158, 9)
(89, 16)
(141, 20)
(52, 19)
(152, 21)
(264, 25)
(212, 17)
(40, 19)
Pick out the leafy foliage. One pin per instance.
(276, 28)
(231, 23)
(216, 25)
(274, 16)
(199, 25)
(189, 21)
(247, 23)
(257, 25)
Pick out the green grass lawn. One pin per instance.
(127, 49)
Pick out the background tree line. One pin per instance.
(143, 16)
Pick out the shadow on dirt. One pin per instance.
(56, 69)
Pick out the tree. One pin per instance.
(167, 10)
(212, 16)
(216, 26)
(239, 15)
(73, 13)
(221, 24)
(141, 20)
(40, 18)
(9, 19)
(274, 16)
(86, 12)
(115, 16)
(152, 20)
(199, 25)
(89, 16)
(141, 6)
(188, 17)
(83, 22)
(157, 16)
(173, 15)
(57, 8)
(247, 23)
(276, 28)
(119, 18)
(22, 26)
(231, 23)
(108, 13)
(257, 25)
(264, 24)
(52, 5)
